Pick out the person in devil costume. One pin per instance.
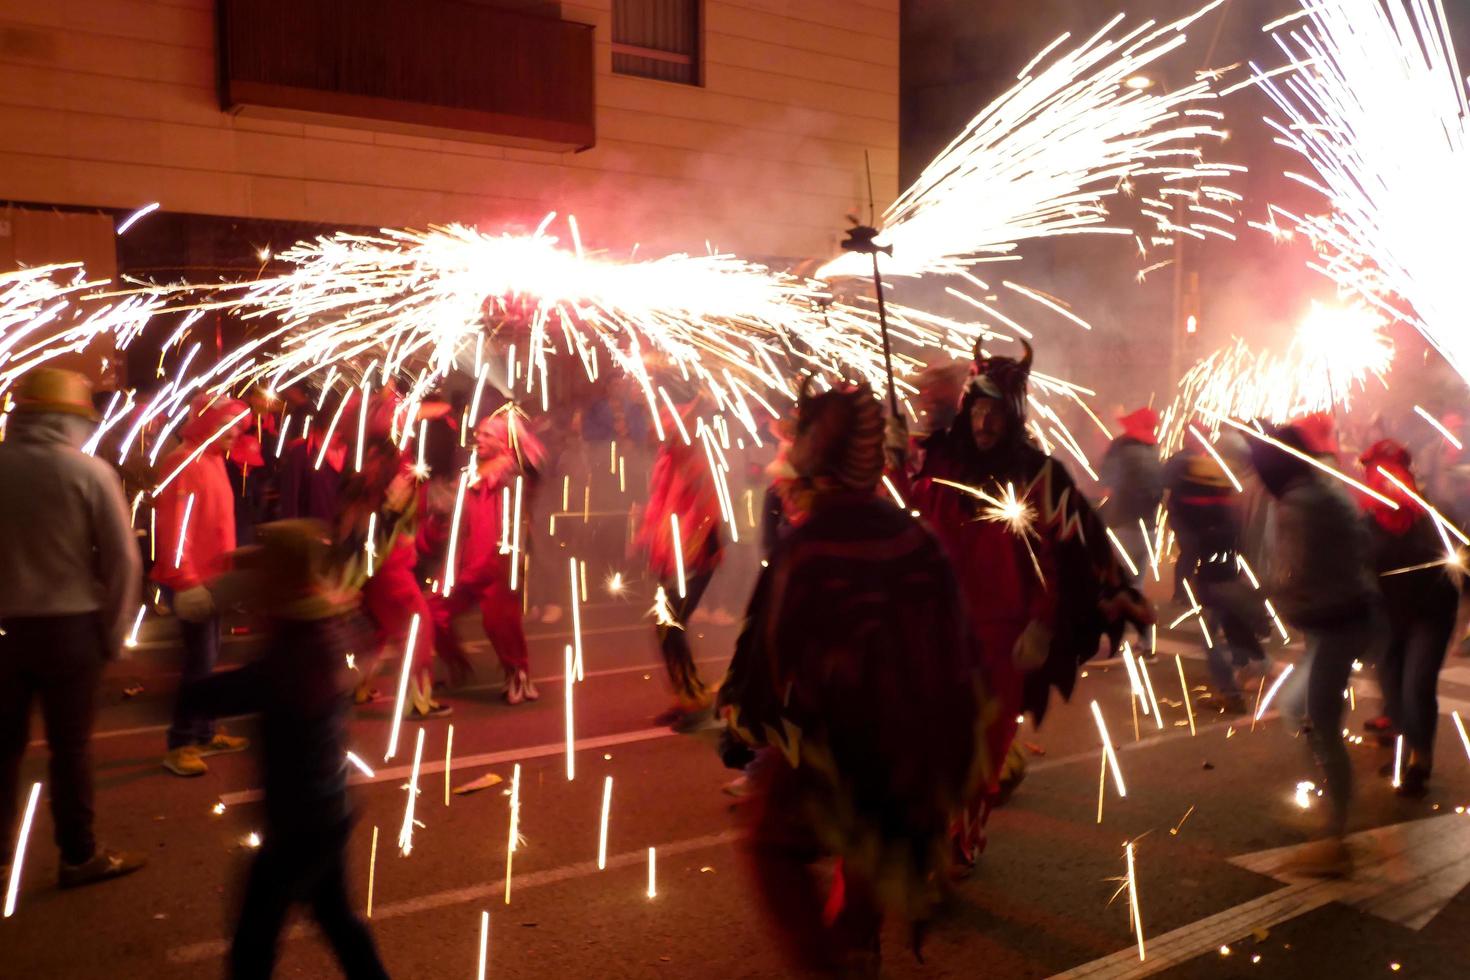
(857, 679)
(1038, 575)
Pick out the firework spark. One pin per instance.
(1047, 157)
(1376, 105)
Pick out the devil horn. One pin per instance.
(1026, 361)
(978, 341)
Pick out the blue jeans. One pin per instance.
(1408, 673)
(201, 653)
(1314, 697)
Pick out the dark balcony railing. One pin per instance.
(412, 65)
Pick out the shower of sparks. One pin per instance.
(17, 863)
(1110, 757)
(1135, 914)
(405, 832)
(1376, 105)
(1312, 461)
(1149, 684)
(602, 827)
(1440, 427)
(372, 871)
(576, 623)
(1439, 519)
(1008, 509)
(1051, 155)
(513, 838)
(569, 681)
(1460, 727)
(132, 640)
(1184, 693)
(1275, 686)
(1334, 352)
(663, 611)
(398, 706)
(136, 216)
(678, 546)
(448, 761)
(484, 942)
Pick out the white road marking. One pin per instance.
(215, 948)
(463, 763)
(1405, 873)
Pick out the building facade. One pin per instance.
(745, 124)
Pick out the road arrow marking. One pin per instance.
(1405, 873)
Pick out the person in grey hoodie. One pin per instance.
(72, 579)
(1320, 576)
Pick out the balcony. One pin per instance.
(437, 68)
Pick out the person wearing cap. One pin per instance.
(196, 533)
(1134, 477)
(1319, 575)
(857, 678)
(1421, 577)
(302, 688)
(71, 587)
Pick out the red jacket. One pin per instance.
(209, 536)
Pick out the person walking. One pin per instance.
(72, 582)
(302, 689)
(196, 533)
(485, 548)
(1320, 577)
(1421, 583)
(858, 680)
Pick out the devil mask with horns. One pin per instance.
(993, 406)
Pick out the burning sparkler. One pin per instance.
(1376, 105)
(1048, 156)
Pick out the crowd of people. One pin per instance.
(918, 595)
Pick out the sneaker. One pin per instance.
(739, 787)
(102, 866)
(434, 712)
(1326, 858)
(528, 688)
(186, 760)
(515, 688)
(222, 744)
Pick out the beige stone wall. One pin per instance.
(112, 103)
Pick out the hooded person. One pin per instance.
(301, 687)
(476, 561)
(196, 534)
(681, 489)
(1319, 575)
(1039, 578)
(72, 574)
(1134, 477)
(1421, 579)
(857, 678)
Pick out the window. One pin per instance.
(657, 39)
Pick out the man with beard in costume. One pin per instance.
(1036, 570)
(857, 678)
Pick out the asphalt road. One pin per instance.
(1043, 901)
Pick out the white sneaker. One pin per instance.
(515, 691)
(528, 687)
